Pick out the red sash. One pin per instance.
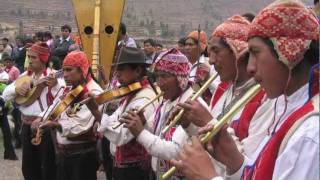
(264, 165)
(219, 92)
(241, 126)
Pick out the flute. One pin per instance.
(222, 121)
(141, 108)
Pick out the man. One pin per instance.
(149, 47)
(13, 73)
(181, 44)
(131, 160)
(19, 55)
(195, 46)
(291, 149)
(77, 157)
(9, 152)
(159, 47)
(7, 47)
(61, 46)
(37, 161)
(172, 71)
(124, 39)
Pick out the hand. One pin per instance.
(35, 124)
(223, 148)
(196, 113)
(23, 89)
(51, 124)
(94, 108)
(51, 81)
(194, 162)
(95, 129)
(133, 121)
(102, 74)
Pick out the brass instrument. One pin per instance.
(194, 97)
(223, 120)
(141, 108)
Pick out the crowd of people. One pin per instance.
(274, 135)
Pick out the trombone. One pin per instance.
(141, 108)
(222, 121)
(194, 97)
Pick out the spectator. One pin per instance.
(150, 51)
(7, 47)
(61, 46)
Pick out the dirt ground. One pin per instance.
(11, 170)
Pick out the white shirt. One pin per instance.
(4, 75)
(212, 72)
(122, 135)
(34, 109)
(300, 157)
(155, 144)
(80, 123)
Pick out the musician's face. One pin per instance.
(127, 75)
(168, 84)
(34, 61)
(72, 75)
(191, 49)
(266, 68)
(222, 58)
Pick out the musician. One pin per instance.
(195, 49)
(131, 160)
(291, 149)
(228, 51)
(37, 161)
(77, 157)
(172, 76)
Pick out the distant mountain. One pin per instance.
(165, 19)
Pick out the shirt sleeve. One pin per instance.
(160, 147)
(9, 92)
(300, 158)
(122, 135)
(81, 123)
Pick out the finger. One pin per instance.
(182, 155)
(205, 129)
(196, 142)
(132, 113)
(185, 106)
(124, 120)
(177, 163)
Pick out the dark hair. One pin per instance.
(47, 34)
(150, 41)
(248, 16)
(6, 56)
(136, 66)
(123, 28)
(66, 26)
(182, 41)
(315, 2)
(159, 45)
(5, 39)
(224, 43)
